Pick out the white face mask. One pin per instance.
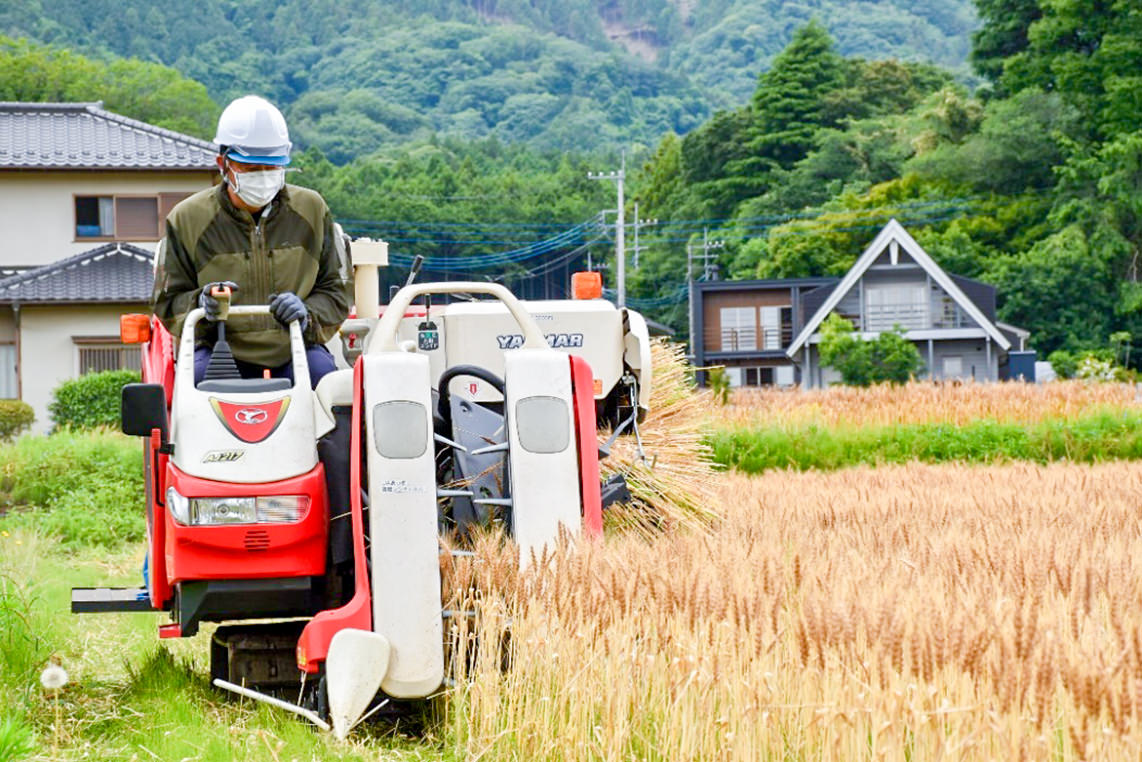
(257, 188)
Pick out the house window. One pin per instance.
(890, 305)
(739, 329)
(124, 218)
(99, 354)
(8, 371)
(771, 327)
(953, 366)
(758, 377)
(783, 375)
(94, 217)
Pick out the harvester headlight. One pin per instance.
(220, 511)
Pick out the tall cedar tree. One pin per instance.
(1003, 34)
(788, 104)
(734, 155)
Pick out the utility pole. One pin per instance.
(690, 302)
(709, 263)
(639, 223)
(709, 267)
(620, 225)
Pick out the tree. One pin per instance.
(888, 358)
(146, 91)
(1061, 289)
(1100, 193)
(1003, 33)
(789, 105)
(712, 157)
(1018, 145)
(1090, 51)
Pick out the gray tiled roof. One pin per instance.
(112, 273)
(84, 136)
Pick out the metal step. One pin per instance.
(102, 600)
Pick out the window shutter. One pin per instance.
(136, 219)
(167, 202)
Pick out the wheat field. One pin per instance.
(899, 613)
(923, 402)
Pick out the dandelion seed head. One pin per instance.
(53, 677)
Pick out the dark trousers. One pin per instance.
(319, 359)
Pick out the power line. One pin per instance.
(576, 236)
(695, 224)
(584, 234)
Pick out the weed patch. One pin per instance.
(23, 647)
(86, 488)
(1096, 438)
(16, 739)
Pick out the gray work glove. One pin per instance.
(287, 307)
(208, 303)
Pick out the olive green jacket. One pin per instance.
(292, 247)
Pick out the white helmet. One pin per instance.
(251, 130)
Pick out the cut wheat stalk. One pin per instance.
(671, 476)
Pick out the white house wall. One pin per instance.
(974, 360)
(48, 355)
(37, 209)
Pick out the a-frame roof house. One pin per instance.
(895, 242)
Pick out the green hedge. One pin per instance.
(1108, 436)
(90, 401)
(15, 417)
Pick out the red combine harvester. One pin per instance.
(309, 521)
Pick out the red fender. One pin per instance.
(313, 645)
(583, 392)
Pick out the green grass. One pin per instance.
(16, 738)
(130, 695)
(84, 488)
(71, 515)
(1107, 436)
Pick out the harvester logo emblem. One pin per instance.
(250, 423)
(554, 340)
(251, 415)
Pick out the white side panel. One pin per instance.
(478, 333)
(636, 352)
(402, 521)
(543, 464)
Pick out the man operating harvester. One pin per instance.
(269, 242)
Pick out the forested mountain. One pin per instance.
(1033, 184)
(790, 130)
(355, 75)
